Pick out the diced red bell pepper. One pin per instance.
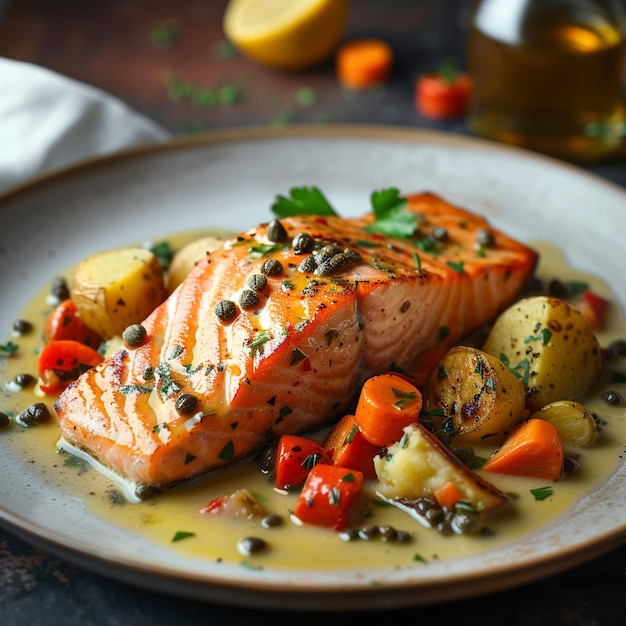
(295, 456)
(327, 496)
(62, 361)
(593, 307)
(64, 323)
(347, 447)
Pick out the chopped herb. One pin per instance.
(302, 201)
(163, 253)
(418, 262)
(284, 411)
(126, 390)
(228, 452)
(251, 566)
(189, 458)
(390, 218)
(541, 493)
(576, 288)
(456, 266)
(182, 534)
(444, 331)
(618, 377)
(334, 496)
(419, 558)
(256, 344)
(8, 349)
(348, 478)
(297, 356)
(544, 336)
(311, 460)
(404, 397)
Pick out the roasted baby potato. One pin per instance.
(575, 423)
(473, 397)
(116, 288)
(188, 256)
(419, 465)
(550, 346)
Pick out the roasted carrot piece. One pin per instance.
(347, 447)
(364, 63)
(448, 495)
(534, 448)
(328, 495)
(388, 403)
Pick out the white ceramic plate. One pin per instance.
(230, 180)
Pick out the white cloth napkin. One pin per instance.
(48, 121)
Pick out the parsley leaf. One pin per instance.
(390, 218)
(302, 200)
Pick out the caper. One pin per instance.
(327, 252)
(612, 397)
(268, 459)
(369, 532)
(485, 238)
(59, 289)
(350, 534)
(272, 520)
(24, 380)
(387, 533)
(257, 282)
(251, 545)
(616, 348)
(186, 403)
(439, 233)
(558, 289)
(134, 335)
(272, 267)
(248, 299)
(226, 310)
(4, 420)
(144, 491)
(303, 243)
(276, 231)
(464, 523)
(35, 414)
(308, 264)
(22, 327)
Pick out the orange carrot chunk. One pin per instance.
(444, 94)
(347, 447)
(388, 403)
(534, 448)
(448, 495)
(364, 63)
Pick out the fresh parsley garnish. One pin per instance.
(390, 218)
(302, 201)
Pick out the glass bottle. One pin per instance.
(548, 75)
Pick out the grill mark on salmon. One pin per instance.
(296, 360)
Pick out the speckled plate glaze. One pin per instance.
(229, 179)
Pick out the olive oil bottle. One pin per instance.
(548, 75)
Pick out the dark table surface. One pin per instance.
(111, 45)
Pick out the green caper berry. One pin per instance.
(144, 491)
(257, 282)
(186, 403)
(134, 335)
(272, 267)
(276, 231)
(22, 327)
(271, 521)
(35, 414)
(4, 421)
(226, 310)
(24, 380)
(250, 545)
(307, 265)
(59, 289)
(439, 233)
(485, 238)
(248, 299)
(303, 243)
(612, 397)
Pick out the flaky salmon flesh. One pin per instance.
(266, 337)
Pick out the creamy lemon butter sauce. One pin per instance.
(178, 513)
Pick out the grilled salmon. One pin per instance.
(276, 331)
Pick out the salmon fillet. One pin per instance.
(294, 360)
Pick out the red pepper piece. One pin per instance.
(295, 456)
(64, 323)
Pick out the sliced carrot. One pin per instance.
(443, 94)
(534, 448)
(388, 403)
(448, 495)
(347, 447)
(364, 63)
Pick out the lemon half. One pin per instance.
(286, 34)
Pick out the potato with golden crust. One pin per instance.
(473, 397)
(550, 346)
(116, 288)
(575, 423)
